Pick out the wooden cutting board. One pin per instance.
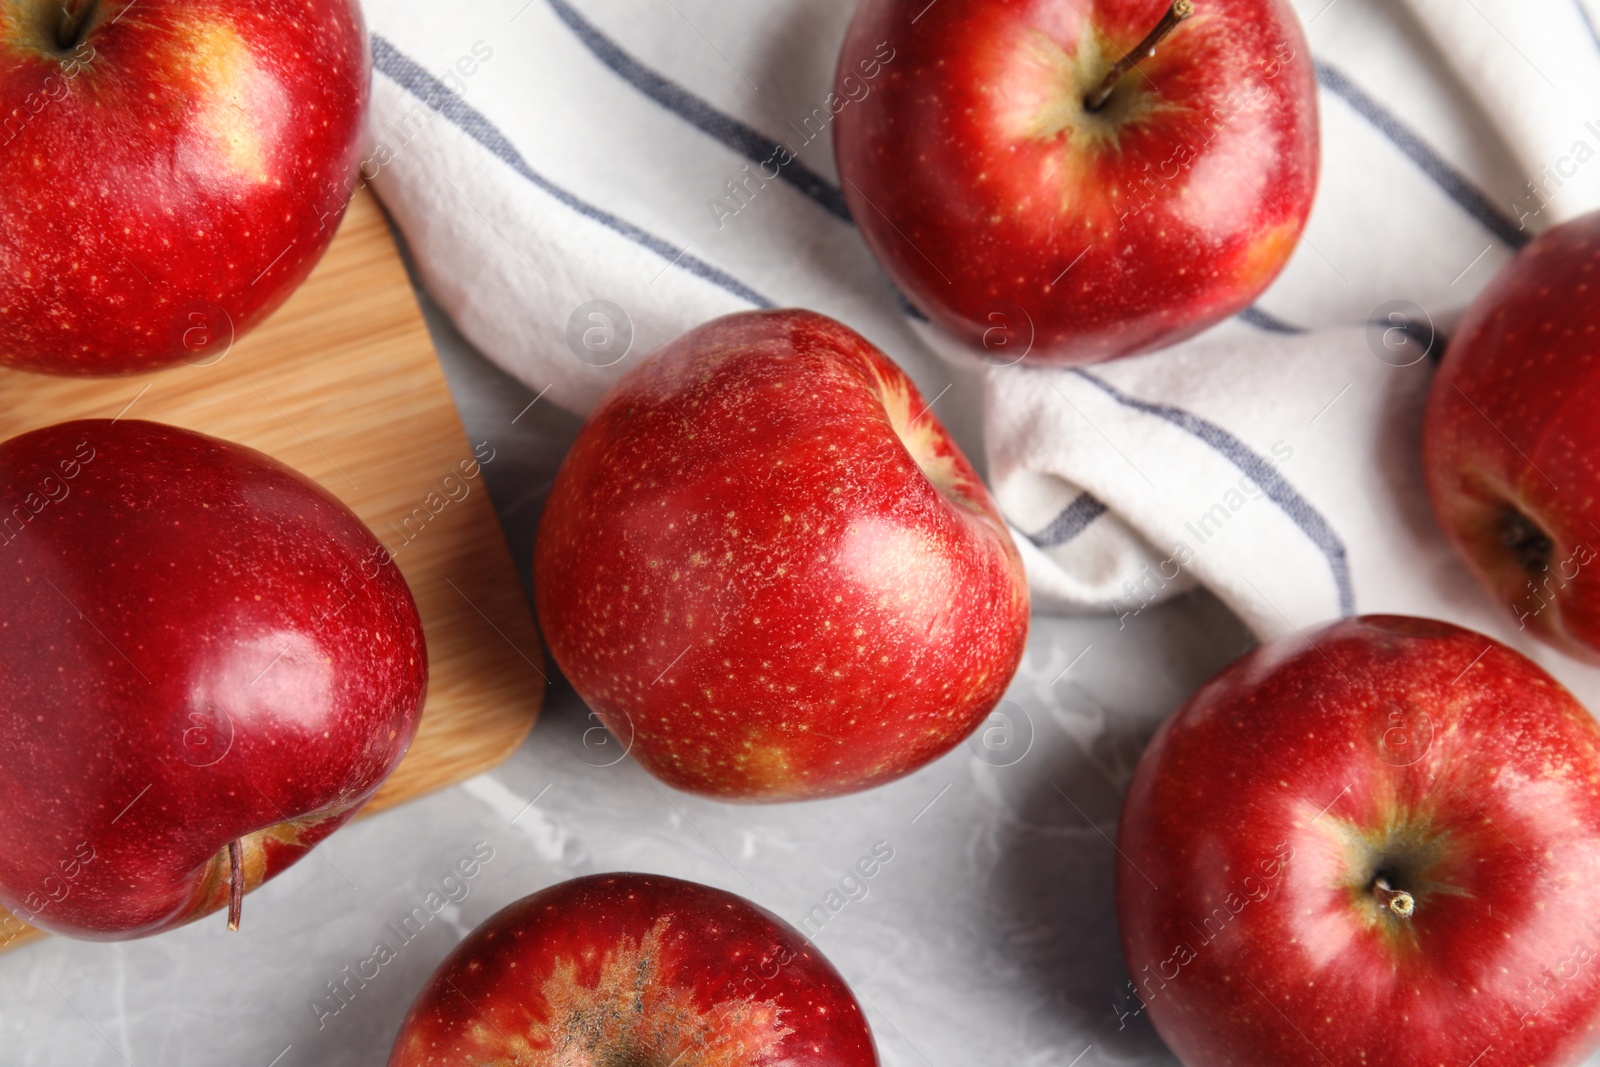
(343, 384)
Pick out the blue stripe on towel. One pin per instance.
(411, 77)
(1275, 485)
(749, 142)
(1265, 320)
(1456, 186)
(1583, 13)
(719, 125)
(1073, 520)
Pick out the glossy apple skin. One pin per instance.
(197, 645)
(1512, 432)
(635, 969)
(174, 177)
(1262, 810)
(1020, 222)
(747, 569)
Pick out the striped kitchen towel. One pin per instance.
(582, 180)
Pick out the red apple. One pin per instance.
(769, 570)
(1021, 217)
(1512, 434)
(173, 171)
(635, 969)
(207, 665)
(1379, 844)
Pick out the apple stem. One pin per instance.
(235, 882)
(1180, 10)
(1397, 901)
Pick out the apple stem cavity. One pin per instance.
(1397, 901)
(76, 16)
(235, 882)
(1526, 541)
(1180, 10)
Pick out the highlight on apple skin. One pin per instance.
(207, 665)
(635, 969)
(769, 570)
(1040, 201)
(1511, 433)
(1377, 843)
(172, 175)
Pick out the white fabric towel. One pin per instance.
(579, 183)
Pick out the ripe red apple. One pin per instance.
(1024, 212)
(769, 570)
(207, 665)
(173, 171)
(1512, 432)
(1379, 844)
(635, 969)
